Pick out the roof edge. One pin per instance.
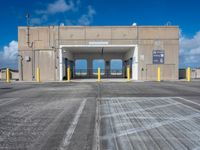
(143, 26)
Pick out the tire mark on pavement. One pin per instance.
(163, 123)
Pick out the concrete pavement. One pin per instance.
(118, 115)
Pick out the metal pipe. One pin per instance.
(20, 59)
(28, 31)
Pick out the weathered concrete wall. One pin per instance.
(158, 38)
(43, 49)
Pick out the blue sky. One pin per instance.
(184, 13)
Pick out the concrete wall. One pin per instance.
(84, 35)
(43, 49)
(158, 38)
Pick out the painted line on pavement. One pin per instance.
(188, 101)
(71, 129)
(7, 101)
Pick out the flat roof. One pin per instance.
(142, 26)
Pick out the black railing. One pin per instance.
(105, 73)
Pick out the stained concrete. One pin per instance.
(148, 123)
(133, 115)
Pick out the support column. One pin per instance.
(89, 67)
(60, 64)
(124, 68)
(107, 68)
(130, 62)
(135, 64)
(72, 68)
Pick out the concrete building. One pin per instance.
(195, 73)
(143, 48)
(14, 75)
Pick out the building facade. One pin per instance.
(142, 48)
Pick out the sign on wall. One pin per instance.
(158, 57)
(98, 43)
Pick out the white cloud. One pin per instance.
(8, 57)
(36, 21)
(60, 6)
(41, 16)
(10, 52)
(86, 19)
(39, 20)
(190, 50)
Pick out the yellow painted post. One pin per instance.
(7, 75)
(38, 74)
(68, 74)
(128, 73)
(188, 74)
(158, 74)
(99, 74)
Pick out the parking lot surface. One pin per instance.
(104, 116)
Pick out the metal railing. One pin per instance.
(105, 73)
(194, 73)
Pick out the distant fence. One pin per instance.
(14, 74)
(92, 73)
(195, 73)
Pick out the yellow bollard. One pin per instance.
(188, 74)
(158, 74)
(99, 74)
(128, 73)
(7, 75)
(68, 74)
(38, 74)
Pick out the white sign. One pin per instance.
(141, 57)
(99, 43)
